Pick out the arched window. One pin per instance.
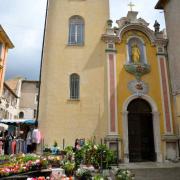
(74, 86)
(21, 115)
(76, 30)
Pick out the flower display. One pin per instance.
(54, 161)
(22, 163)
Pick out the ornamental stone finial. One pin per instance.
(109, 23)
(156, 26)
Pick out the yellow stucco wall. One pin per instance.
(152, 78)
(60, 117)
(3, 63)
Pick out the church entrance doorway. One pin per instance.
(140, 131)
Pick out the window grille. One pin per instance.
(74, 86)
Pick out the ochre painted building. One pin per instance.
(5, 44)
(140, 110)
(106, 83)
(73, 80)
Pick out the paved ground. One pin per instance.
(154, 171)
(148, 165)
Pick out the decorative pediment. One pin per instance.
(138, 27)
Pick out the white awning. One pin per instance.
(3, 127)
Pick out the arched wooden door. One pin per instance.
(140, 131)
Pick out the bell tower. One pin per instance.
(72, 91)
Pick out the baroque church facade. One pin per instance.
(106, 83)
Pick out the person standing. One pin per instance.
(29, 141)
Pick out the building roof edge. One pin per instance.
(160, 4)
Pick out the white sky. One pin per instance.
(23, 20)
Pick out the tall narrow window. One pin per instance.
(76, 30)
(74, 86)
(21, 115)
(35, 113)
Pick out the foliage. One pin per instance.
(26, 158)
(124, 175)
(83, 174)
(91, 154)
(4, 157)
(69, 168)
(69, 154)
(105, 155)
(55, 144)
(79, 156)
(68, 149)
(99, 177)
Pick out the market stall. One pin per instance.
(20, 137)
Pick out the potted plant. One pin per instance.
(69, 168)
(83, 174)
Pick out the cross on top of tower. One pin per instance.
(131, 5)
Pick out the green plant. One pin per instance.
(96, 155)
(79, 156)
(69, 168)
(124, 175)
(99, 177)
(68, 149)
(55, 144)
(104, 155)
(83, 174)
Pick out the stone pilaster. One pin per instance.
(167, 112)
